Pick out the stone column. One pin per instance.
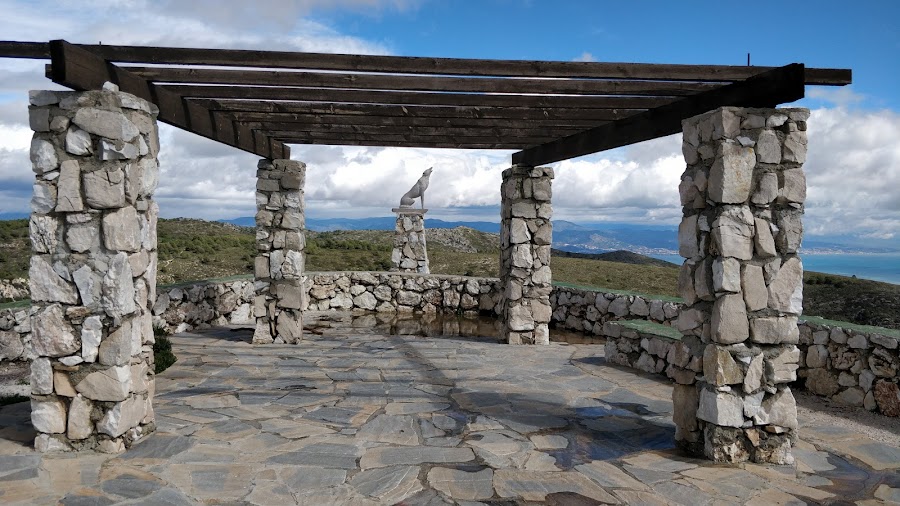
(280, 242)
(93, 268)
(742, 283)
(525, 234)
(410, 253)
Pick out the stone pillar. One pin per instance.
(410, 253)
(525, 235)
(280, 242)
(742, 283)
(93, 268)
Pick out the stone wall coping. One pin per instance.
(651, 328)
(862, 329)
(588, 288)
(210, 281)
(16, 304)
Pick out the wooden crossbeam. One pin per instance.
(392, 110)
(420, 83)
(404, 97)
(447, 66)
(507, 130)
(403, 144)
(348, 119)
(79, 69)
(421, 102)
(781, 85)
(407, 137)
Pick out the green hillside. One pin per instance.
(195, 249)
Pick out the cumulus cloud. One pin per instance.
(853, 172)
(853, 166)
(585, 56)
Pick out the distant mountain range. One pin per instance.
(598, 237)
(587, 237)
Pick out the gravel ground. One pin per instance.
(14, 379)
(884, 429)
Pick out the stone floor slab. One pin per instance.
(353, 416)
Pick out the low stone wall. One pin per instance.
(586, 310)
(400, 292)
(852, 365)
(653, 348)
(15, 334)
(182, 308)
(13, 289)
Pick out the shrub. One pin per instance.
(162, 350)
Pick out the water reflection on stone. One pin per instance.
(478, 327)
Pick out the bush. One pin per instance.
(162, 350)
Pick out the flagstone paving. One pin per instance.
(358, 416)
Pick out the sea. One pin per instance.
(876, 266)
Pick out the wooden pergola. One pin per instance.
(260, 101)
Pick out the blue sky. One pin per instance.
(853, 167)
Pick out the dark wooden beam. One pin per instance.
(481, 137)
(80, 69)
(391, 110)
(385, 144)
(447, 66)
(32, 50)
(406, 97)
(347, 119)
(420, 83)
(542, 134)
(781, 85)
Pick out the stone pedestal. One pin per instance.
(280, 242)
(410, 253)
(742, 283)
(525, 236)
(93, 268)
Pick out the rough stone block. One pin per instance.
(112, 125)
(729, 320)
(733, 232)
(731, 175)
(721, 408)
(786, 289)
(720, 368)
(774, 330)
(48, 416)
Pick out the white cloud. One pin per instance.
(841, 96)
(853, 172)
(853, 167)
(585, 56)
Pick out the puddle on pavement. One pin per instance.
(479, 327)
(853, 481)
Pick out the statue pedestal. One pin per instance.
(410, 253)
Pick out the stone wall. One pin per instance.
(15, 334)
(585, 310)
(847, 368)
(93, 268)
(410, 253)
(852, 365)
(13, 289)
(186, 307)
(651, 348)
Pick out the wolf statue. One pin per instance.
(417, 191)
